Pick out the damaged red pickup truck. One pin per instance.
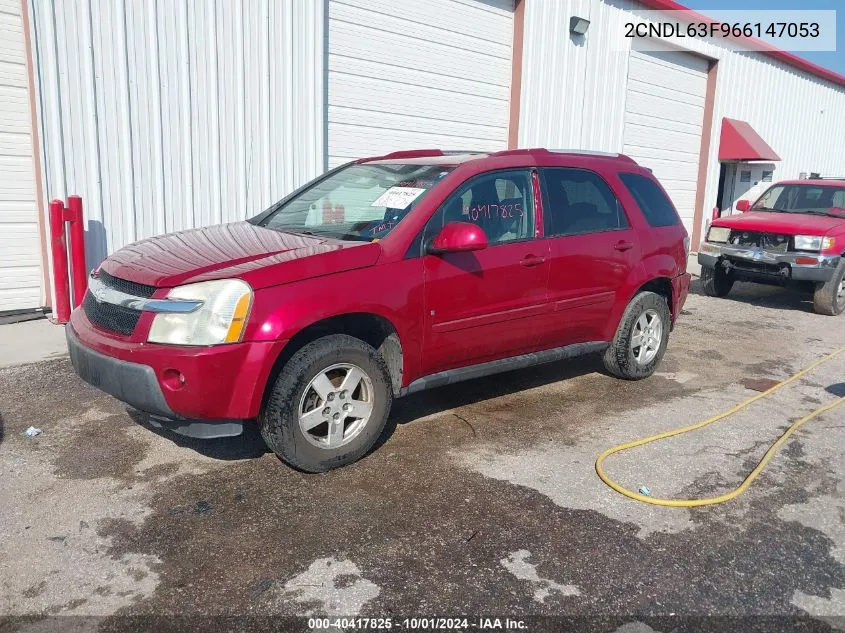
(794, 234)
(384, 277)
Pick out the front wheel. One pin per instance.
(829, 297)
(716, 282)
(329, 405)
(641, 339)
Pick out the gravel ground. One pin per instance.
(483, 502)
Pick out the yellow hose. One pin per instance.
(773, 449)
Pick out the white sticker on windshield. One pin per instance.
(397, 197)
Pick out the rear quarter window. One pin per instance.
(655, 205)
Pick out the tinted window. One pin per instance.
(579, 201)
(500, 202)
(654, 204)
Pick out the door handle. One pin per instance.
(623, 245)
(529, 261)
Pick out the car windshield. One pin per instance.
(360, 202)
(819, 199)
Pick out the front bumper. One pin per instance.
(759, 264)
(223, 382)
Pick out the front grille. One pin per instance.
(129, 287)
(108, 316)
(115, 318)
(772, 242)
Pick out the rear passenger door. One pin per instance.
(593, 250)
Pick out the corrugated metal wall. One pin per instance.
(574, 91)
(171, 114)
(418, 73)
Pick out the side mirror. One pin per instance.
(459, 237)
(743, 205)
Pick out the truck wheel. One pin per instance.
(716, 282)
(641, 338)
(329, 405)
(829, 298)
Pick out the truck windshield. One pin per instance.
(818, 199)
(360, 202)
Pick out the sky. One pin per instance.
(832, 60)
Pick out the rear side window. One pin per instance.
(654, 204)
(579, 201)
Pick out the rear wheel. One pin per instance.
(829, 297)
(329, 405)
(716, 282)
(641, 339)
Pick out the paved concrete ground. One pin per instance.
(482, 502)
(30, 342)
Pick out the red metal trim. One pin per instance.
(769, 50)
(704, 153)
(516, 73)
(79, 272)
(58, 245)
(739, 141)
(47, 291)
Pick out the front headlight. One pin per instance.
(220, 319)
(718, 234)
(813, 243)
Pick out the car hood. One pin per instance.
(262, 257)
(790, 223)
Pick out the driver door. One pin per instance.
(487, 304)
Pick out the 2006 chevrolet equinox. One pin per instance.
(380, 278)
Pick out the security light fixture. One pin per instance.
(578, 26)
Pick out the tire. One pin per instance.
(829, 297)
(620, 358)
(296, 390)
(716, 282)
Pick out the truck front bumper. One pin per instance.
(757, 264)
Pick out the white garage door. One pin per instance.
(20, 253)
(418, 74)
(664, 114)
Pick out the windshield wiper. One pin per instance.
(285, 229)
(769, 209)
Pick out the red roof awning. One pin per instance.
(739, 141)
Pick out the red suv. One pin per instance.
(794, 234)
(381, 278)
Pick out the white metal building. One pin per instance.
(170, 115)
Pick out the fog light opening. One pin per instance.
(173, 379)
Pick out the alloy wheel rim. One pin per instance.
(646, 337)
(336, 406)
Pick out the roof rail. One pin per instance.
(408, 153)
(592, 152)
(421, 153)
(543, 150)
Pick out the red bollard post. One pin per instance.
(58, 246)
(78, 270)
